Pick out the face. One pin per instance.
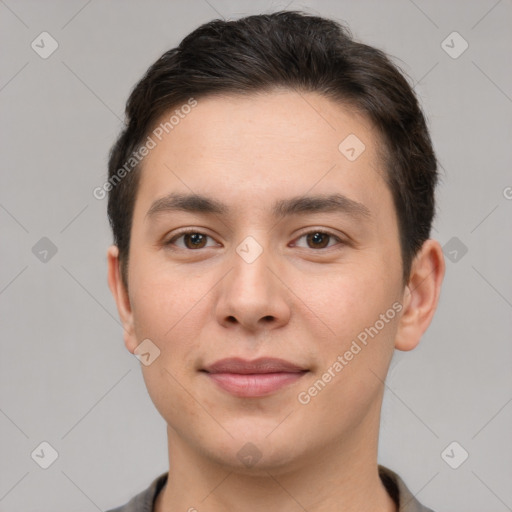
(295, 255)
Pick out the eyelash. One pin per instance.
(171, 241)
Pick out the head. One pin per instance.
(261, 128)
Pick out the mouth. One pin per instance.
(252, 379)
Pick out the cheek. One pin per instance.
(160, 297)
(355, 299)
(170, 393)
(360, 309)
(353, 360)
(166, 312)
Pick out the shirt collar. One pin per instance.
(395, 486)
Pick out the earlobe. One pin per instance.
(118, 290)
(421, 295)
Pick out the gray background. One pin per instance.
(66, 377)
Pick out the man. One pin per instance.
(271, 199)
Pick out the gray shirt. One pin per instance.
(395, 486)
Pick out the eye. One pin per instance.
(318, 239)
(191, 240)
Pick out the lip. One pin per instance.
(256, 378)
(261, 365)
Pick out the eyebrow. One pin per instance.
(197, 203)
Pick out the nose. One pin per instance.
(252, 295)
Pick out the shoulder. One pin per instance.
(400, 493)
(143, 502)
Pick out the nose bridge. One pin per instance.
(250, 293)
(251, 260)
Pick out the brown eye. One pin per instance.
(319, 240)
(194, 240)
(191, 240)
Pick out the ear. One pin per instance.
(421, 295)
(121, 297)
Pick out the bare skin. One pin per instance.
(303, 299)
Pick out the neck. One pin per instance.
(341, 477)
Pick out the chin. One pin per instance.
(256, 453)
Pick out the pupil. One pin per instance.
(195, 238)
(317, 237)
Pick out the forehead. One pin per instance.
(263, 145)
